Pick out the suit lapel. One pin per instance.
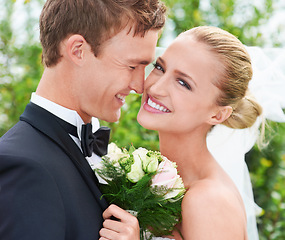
(46, 122)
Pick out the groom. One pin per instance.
(95, 53)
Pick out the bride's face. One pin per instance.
(179, 93)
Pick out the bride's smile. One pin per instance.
(154, 106)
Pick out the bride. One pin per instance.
(200, 81)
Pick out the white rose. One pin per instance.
(140, 153)
(113, 149)
(150, 163)
(136, 172)
(115, 153)
(149, 159)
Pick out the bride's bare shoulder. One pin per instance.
(211, 208)
(212, 195)
(209, 187)
(208, 194)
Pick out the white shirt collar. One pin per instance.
(73, 118)
(65, 114)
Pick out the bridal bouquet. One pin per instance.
(146, 184)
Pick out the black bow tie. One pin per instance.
(94, 142)
(90, 142)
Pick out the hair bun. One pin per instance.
(244, 113)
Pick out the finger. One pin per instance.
(115, 211)
(107, 234)
(113, 225)
(120, 231)
(127, 226)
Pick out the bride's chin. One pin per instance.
(144, 121)
(140, 119)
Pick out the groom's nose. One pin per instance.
(137, 81)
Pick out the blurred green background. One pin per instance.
(20, 71)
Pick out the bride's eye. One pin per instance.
(184, 84)
(158, 67)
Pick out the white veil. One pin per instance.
(229, 146)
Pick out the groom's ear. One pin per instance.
(75, 47)
(222, 114)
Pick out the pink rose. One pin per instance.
(167, 176)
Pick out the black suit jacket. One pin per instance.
(47, 189)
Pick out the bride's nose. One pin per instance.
(159, 86)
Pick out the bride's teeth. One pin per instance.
(156, 106)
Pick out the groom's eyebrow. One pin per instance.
(141, 62)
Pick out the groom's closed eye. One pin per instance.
(134, 62)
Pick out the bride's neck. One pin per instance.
(188, 151)
(179, 145)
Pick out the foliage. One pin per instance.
(226, 14)
(20, 71)
(267, 169)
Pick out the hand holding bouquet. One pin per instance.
(146, 184)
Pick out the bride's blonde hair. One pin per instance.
(233, 80)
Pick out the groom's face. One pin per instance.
(117, 70)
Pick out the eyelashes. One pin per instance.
(184, 84)
(158, 67)
(180, 81)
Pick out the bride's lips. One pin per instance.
(154, 106)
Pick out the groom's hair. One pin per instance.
(95, 20)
